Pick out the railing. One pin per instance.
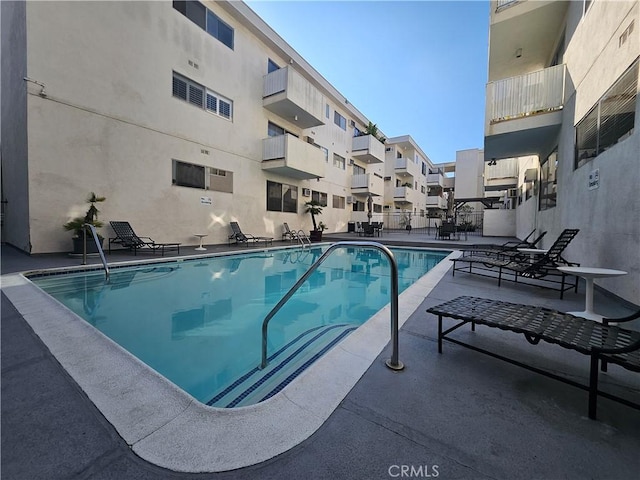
(98, 245)
(393, 363)
(275, 82)
(536, 92)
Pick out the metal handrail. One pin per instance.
(302, 237)
(393, 363)
(100, 251)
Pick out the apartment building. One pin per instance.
(562, 99)
(184, 115)
(406, 168)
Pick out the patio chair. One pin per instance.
(292, 235)
(126, 237)
(521, 266)
(245, 238)
(510, 246)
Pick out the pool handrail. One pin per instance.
(94, 232)
(393, 363)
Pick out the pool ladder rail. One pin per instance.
(303, 239)
(393, 363)
(94, 232)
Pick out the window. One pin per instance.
(282, 197)
(356, 132)
(610, 121)
(358, 170)
(272, 66)
(377, 208)
(338, 202)
(198, 176)
(548, 184)
(327, 110)
(358, 206)
(424, 168)
(206, 20)
(202, 97)
(319, 197)
(340, 121)
(274, 130)
(326, 153)
(339, 161)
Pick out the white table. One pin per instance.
(201, 236)
(533, 252)
(589, 274)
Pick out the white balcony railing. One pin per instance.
(536, 92)
(435, 179)
(435, 201)
(368, 182)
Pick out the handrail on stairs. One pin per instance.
(393, 363)
(94, 232)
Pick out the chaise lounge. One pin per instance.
(240, 237)
(126, 237)
(543, 270)
(602, 342)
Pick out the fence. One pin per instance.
(469, 223)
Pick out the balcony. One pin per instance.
(367, 148)
(524, 113)
(406, 168)
(289, 156)
(367, 183)
(435, 179)
(436, 201)
(403, 196)
(292, 97)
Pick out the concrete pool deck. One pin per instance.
(470, 416)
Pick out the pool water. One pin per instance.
(198, 322)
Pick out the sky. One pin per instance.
(414, 68)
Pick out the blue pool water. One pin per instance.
(198, 322)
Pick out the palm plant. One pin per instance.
(91, 217)
(314, 208)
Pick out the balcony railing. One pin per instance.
(524, 95)
(289, 156)
(367, 183)
(435, 179)
(402, 194)
(406, 166)
(292, 97)
(367, 148)
(435, 201)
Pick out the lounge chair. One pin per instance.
(602, 342)
(240, 237)
(510, 246)
(126, 237)
(292, 235)
(521, 266)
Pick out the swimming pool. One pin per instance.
(198, 321)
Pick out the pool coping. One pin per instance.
(165, 425)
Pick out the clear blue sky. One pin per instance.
(414, 68)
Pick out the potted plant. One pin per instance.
(314, 208)
(77, 226)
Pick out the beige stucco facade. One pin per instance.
(596, 42)
(108, 122)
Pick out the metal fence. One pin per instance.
(469, 223)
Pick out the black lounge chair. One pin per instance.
(544, 268)
(126, 237)
(602, 342)
(240, 237)
(510, 246)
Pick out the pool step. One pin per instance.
(284, 365)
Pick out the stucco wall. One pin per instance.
(608, 216)
(15, 188)
(115, 131)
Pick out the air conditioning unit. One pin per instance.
(387, 179)
(349, 199)
(512, 193)
(351, 162)
(309, 139)
(306, 192)
(352, 123)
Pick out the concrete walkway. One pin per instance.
(455, 415)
